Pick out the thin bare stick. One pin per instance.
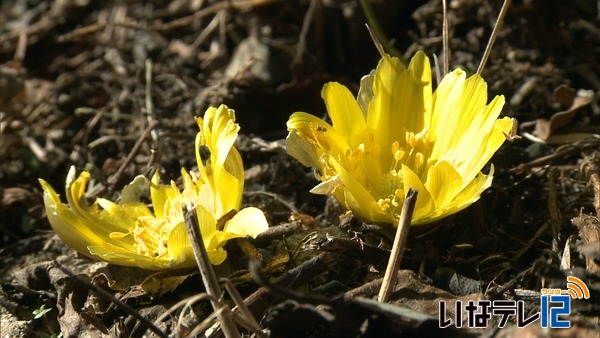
(206, 32)
(208, 274)
(391, 272)
(93, 28)
(20, 50)
(301, 45)
(244, 315)
(177, 23)
(445, 37)
(488, 48)
(181, 304)
(148, 99)
(136, 148)
(212, 9)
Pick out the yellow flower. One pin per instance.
(398, 134)
(130, 233)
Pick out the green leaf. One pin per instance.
(39, 313)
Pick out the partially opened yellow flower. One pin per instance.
(399, 134)
(130, 233)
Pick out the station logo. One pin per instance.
(555, 305)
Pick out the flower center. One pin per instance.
(150, 236)
(391, 191)
(412, 152)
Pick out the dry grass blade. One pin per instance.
(183, 304)
(376, 41)
(244, 316)
(445, 37)
(488, 47)
(382, 42)
(136, 148)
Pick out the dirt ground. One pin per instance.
(81, 80)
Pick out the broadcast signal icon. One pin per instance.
(577, 288)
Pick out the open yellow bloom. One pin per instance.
(398, 134)
(130, 233)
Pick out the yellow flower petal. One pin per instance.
(443, 183)
(327, 187)
(358, 199)
(425, 204)
(365, 93)
(158, 194)
(208, 226)
(67, 225)
(379, 117)
(247, 222)
(217, 256)
(446, 110)
(477, 154)
(469, 195)
(301, 150)
(319, 133)
(180, 250)
(114, 255)
(346, 116)
(230, 182)
(131, 192)
(412, 97)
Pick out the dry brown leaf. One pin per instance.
(544, 128)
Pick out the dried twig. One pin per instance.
(208, 274)
(301, 45)
(275, 198)
(258, 301)
(276, 232)
(212, 9)
(244, 316)
(119, 304)
(177, 23)
(148, 99)
(185, 303)
(79, 32)
(560, 153)
(136, 148)
(391, 274)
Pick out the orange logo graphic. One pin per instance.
(576, 288)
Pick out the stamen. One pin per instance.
(384, 203)
(118, 235)
(419, 160)
(150, 237)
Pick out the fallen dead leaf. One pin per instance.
(544, 128)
